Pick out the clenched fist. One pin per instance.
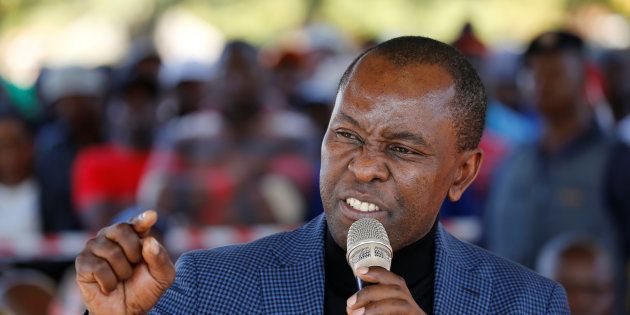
(123, 270)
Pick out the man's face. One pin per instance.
(558, 80)
(588, 281)
(390, 144)
(16, 152)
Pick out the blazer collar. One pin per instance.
(459, 288)
(297, 282)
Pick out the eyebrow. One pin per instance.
(348, 118)
(402, 135)
(408, 136)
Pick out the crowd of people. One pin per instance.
(238, 142)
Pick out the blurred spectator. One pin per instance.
(187, 84)
(617, 73)
(74, 97)
(506, 128)
(555, 185)
(67, 299)
(26, 292)
(142, 61)
(586, 271)
(23, 99)
(106, 177)
(245, 162)
(19, 190)
(616, 66)
(471, 46)
(594, 95)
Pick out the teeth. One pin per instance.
(361, 205)
(364, 206)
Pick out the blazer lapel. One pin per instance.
(296, 284)
(458, 288)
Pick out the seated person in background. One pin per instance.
(106, 177)
(243, 162)
(25, 292)
(20, 214)
(554, 185)
(202, 175)
(74, 98)
(586, 271)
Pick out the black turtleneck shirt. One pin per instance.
(415, 263)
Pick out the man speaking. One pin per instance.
(403, 136)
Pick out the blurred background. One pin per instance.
(212, 113)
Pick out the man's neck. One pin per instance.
(562, 130)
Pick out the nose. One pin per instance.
(368, 166)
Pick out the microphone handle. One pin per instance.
(362, 284)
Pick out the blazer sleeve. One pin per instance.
(182, 296)
(558, 303)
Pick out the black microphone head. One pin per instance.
(368, 245)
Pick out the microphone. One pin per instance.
(367, 246)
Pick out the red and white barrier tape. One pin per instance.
(65, 246)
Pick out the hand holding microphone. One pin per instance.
(370, 255)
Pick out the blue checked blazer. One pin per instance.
(284, 274)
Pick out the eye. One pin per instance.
(399, 149)
(348, 135)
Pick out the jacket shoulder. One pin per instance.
(222, 280)
(226, 280)
(279, 249)
(515, 288)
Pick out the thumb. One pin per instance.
(143, 222)
(158, 262)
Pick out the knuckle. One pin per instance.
(101, 268)
(112, 232)
(365, 293)
(90, 244)
(79, 263)
(121, 228)
(115, 253)
(102, 231)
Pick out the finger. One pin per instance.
(111, 253)
(158, 261)
(375, 293)
(124, 235)
(92, 269)
(380, 275)
(392, 306)
(142, 223)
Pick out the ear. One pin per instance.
(468, 165)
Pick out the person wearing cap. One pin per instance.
(403, 136)
(106, 177)
(73, 97)
(555, 184)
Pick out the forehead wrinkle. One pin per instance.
(384, 104)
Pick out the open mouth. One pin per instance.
(362, 206)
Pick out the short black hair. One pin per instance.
(468, 109)
(554, 42)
